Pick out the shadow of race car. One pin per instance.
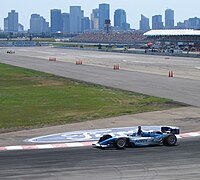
(141, 138)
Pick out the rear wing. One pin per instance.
(171, 130)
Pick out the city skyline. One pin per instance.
(183, 10)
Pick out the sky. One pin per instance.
(184, 9)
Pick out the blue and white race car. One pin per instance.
(141, 138)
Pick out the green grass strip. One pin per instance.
(34, 99)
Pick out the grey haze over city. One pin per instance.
(183, 9)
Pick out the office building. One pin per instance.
(65, 22)
(95, 19)
(120, 19)
(181, 25)
(169, 19)
(193, 23)
(6, 24)
(11, 22)
(38, 24)
(85, 24)
(75, 19)
(157, 22)
(107, 26)
(56, 20)
(82, 13)
(20, 28)
(144, 23)
(104, 14)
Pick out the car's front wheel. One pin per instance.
(120, 143)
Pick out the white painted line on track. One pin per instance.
(14, 147)
(44, 146)
(194, 134)
(29, 147)
(75, 144)
(64, 145)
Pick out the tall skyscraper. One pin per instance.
(120, 19)
(104, 14)
(169, 19)
(157, 22)
(144, 23)
(65, 22)
(75, 19)
(38, 24)
(6, 24)
(85, 24)
(11, 22)
(82, 13)
(56, 20)
(95, 19)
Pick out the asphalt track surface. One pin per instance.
(159, 162)
(179, 162)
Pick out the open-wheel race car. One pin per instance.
(140, 138)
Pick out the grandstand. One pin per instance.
(183, 37)
(131, 37)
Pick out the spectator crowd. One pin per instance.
(113, 37)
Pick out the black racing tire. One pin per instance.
(170, 140)
(104, 137)
(120, 143)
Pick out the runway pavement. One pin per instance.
(180, 89)
(160, 162)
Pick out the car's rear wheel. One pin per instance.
(104, 137)
(120, 143)
(170, 140)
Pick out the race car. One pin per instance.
(10, 52)
(141, 138)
